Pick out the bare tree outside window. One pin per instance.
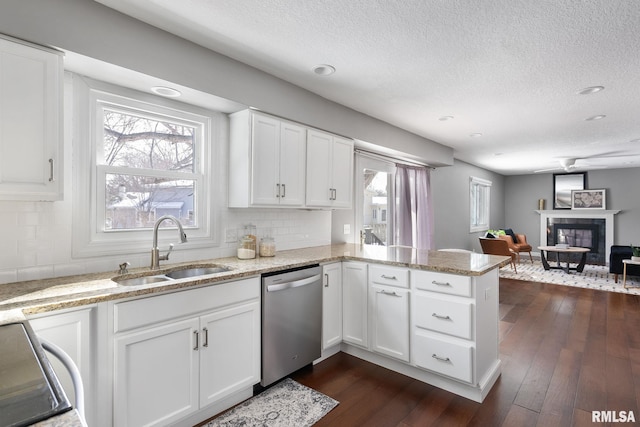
(149, 162)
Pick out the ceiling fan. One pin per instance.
(568, 164)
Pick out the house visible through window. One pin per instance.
(147, 166)
(479, 202)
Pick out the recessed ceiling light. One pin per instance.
(445, 118)
(589, 90)
(166, 91)
(475, 135)
(324, 69)
(598, 117)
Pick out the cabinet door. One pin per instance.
(319, 168)
(71, 331)
(390, 321)
(30, 106)
(332, 305)
(156, 374)
(342, 172)
(229, 351)
(354, 303)
(265, 159)
(293, 149)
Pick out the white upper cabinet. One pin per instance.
(329, 170)
(267, 165)
(30, 122)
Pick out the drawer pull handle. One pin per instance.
(206, 337)
(391, 294)
(197, 338)
(389, 277)
(326, 277)
(442, 359)
(435, 282)
(438, 316)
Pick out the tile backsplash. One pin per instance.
(36, 239)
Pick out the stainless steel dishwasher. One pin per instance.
(291, 321)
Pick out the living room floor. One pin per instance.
(566, 352)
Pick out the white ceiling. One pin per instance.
(509, 70)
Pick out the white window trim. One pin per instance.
(88, 238)
(486, 185)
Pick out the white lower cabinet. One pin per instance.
(390, 321)
(440, 328)
(354, 303)
(177, 353)
(389, 310)
(331, 305)
(73, 332)
(443, 355)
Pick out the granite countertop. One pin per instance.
(44, 295)
(36, 296)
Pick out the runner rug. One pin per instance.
(592, 277)
(286, 404)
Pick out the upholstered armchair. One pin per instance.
(517, 243)
(498, 247)
(616, 267)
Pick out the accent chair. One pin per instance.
(498, 247)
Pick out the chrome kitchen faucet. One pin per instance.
(155, 252)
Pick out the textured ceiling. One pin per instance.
(509, 70)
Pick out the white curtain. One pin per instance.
(413, 213)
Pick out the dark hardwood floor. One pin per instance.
(566, 352)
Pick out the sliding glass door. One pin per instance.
(374, 200)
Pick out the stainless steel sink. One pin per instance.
(174, 274)
(145, 280)
(195, 271)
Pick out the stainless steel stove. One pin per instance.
(29, 389)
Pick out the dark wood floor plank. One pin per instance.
(557, 409)
(520, 417)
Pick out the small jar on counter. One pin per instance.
(267, 246)
(246, 248)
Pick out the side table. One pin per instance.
(624, 270)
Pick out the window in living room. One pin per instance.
(479, 202)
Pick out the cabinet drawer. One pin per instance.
(148, 311)
(446, 316)
(392, 276)
(442, 355)
(441, 282)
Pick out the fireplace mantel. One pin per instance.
(607, 215)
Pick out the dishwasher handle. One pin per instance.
(294, 284)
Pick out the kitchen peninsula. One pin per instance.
(445, 302)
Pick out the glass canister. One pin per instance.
(246, 247)
(267, 246)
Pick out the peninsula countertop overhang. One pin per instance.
(44, 295)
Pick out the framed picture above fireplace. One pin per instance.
(588, 199)
(563, 184)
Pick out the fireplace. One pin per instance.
(591, 229)
(581, 232)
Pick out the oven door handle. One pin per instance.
(294, 284)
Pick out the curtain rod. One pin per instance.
(391, 158)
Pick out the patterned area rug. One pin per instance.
(592, 277)
(286, 404)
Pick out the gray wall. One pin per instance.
(522, 193)
(450, 187)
